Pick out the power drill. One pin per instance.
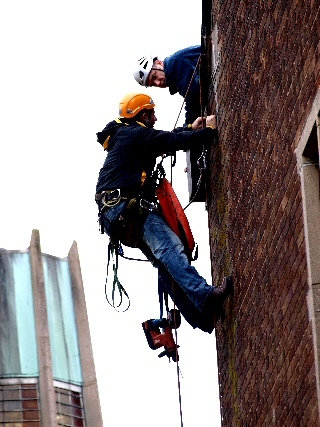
(157, 338)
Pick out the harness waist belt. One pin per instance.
(116, 193)
(108, 195)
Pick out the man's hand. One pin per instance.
(209, 121)
(197, 124)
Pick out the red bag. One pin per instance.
(174, 214)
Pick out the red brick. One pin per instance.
(268, 78)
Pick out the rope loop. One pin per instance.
(116, 284)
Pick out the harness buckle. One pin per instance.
(149, 206)
(110, 198)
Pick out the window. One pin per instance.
(310, 179)
(19, 405)
(69, 407)
(308, 152)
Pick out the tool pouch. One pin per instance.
(123, 222)
(129, 224)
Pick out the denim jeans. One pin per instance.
(175, 273)
(111, 217)
(187, 289)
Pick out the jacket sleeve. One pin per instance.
(157, 142)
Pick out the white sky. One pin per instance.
(64, 67)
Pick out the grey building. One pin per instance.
(47, 373)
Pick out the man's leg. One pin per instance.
(168, 251)
(167, 248)
(192, 315)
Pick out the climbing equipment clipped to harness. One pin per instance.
(113, 252)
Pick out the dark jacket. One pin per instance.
(134, 148)
(179, 69)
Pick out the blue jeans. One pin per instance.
(175, 273)
(187, 289)
(111, 217)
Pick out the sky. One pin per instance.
(65, 65)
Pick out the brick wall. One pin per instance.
(268, 75)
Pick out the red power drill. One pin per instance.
(157, 338)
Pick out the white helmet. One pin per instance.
(143, 69)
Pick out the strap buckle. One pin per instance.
(149, 206)
(110, 198)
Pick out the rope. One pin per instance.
(177, 358)
(184, 99)
(178, 378)
(113, 253)
(198, 186)
(179, 385)
(203, 155)
(120, 252)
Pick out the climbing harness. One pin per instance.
(108, 199)
(127, 232)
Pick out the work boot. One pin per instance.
(222, 292)
(217, 296)
(212, 309)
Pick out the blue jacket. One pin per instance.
(179, 69)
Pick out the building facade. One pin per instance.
(47, 374)
(264, 208)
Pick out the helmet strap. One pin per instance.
(157, 69)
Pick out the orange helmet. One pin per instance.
(132, 103)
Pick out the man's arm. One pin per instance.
(157, 142)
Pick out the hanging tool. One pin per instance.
(157, 338)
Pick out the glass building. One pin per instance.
(47, 374)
